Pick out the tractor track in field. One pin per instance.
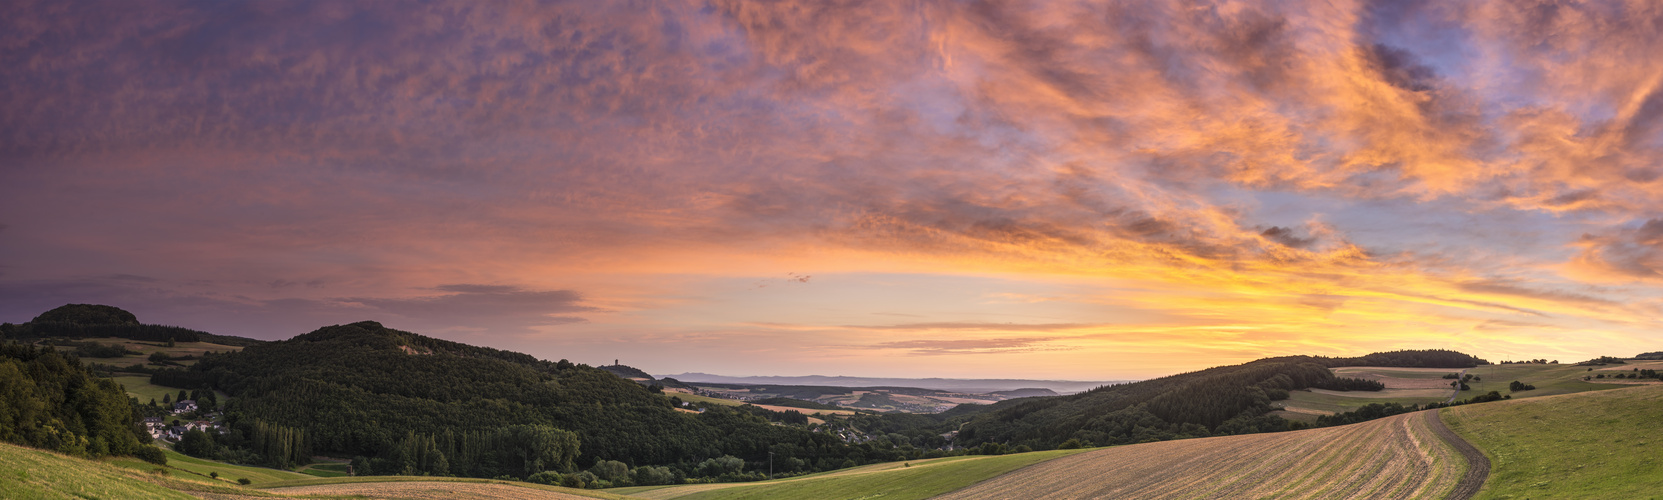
(1395, 458)
(1478, 466)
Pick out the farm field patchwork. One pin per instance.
(1394, 457)
(146, 348)
(1406, 385)
(1589, 445)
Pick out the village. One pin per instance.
(183, 416)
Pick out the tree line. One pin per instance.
(49, 400)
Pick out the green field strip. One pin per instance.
(603, 494)
(1589, 445)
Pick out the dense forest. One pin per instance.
(49, 400)
(366, 390)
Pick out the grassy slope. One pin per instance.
(324, 470)
(31, 473)
(922, 479)
(27, 473)
(200, 469)
(139, 386)
(1591, 445)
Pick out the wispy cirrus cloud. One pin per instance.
(1275, 163)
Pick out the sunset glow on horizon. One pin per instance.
(1061, 190)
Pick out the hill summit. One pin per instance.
(79, 321)
(88, 314)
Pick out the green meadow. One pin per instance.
(1589, 445)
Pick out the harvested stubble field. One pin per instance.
(1395, 457)
(430, 490)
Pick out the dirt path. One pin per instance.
(1478, 466)
(1390, 458)
(1459, 377)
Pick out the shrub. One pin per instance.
(648, 475)
(548, 477)
(613, 471)
(244, 481)
(151, 454)
(1071, 444)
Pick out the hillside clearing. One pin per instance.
(1394, 457)
(1589, 445)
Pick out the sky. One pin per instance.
(1080, 190)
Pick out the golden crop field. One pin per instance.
(1398, 457)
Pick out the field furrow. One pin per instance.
(1400, 457)
(430, 490)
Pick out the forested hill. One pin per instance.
(366, 390)
(628, 372)
(95, 321)
(1222, 400)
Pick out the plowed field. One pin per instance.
(433, 490)
(1395, 457)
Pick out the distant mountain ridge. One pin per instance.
(941, 384)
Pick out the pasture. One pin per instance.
(32, 473)
(1589, 445)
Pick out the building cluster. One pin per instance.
(159, 428)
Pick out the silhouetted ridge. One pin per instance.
(373, 335)
(87, 314)
(81, 321)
